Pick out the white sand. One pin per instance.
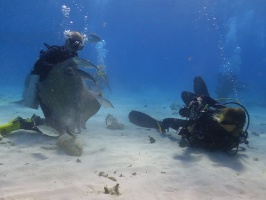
(162, 170)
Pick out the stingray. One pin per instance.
(66, 97)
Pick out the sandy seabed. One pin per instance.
(31, 167)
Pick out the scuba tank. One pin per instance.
(30, 94)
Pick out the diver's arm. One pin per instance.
(47, 60)
(173, 123)
(41, 67)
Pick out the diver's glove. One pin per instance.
(191, 111)
(184, 112)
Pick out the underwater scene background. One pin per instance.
(151, 48)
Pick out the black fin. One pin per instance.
(200, 87)
(143, 120)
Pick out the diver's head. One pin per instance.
(74, 41)
(231, 119)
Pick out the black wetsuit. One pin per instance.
(54, 55)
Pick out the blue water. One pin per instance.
(151, 48)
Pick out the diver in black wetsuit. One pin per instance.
(57, 54)
(47, 60)
(208, 124)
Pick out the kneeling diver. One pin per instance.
(208, 124)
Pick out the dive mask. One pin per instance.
(76, 45)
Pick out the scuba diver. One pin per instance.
(47, 60)
(208, 124)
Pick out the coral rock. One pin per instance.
(71, 145)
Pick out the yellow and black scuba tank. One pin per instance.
(199, 124)
(243, 135)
